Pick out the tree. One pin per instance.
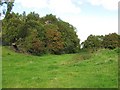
(69, 36)
(40, 35)
(93, 42)
(111, 41)
(32, 16)
(12, 29)
(71, 43)
(54, 43)
(33, 44)
(9, 7)
(49, 18)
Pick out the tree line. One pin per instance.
(95, 42)
(39, 35)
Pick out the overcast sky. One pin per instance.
(98, 17)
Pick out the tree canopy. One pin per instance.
(39, 35)
(109, 41)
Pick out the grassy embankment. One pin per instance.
(83, 70)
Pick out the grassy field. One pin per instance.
(83, 70)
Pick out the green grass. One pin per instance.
(0, 67)
(98, 70)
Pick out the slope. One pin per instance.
(82, 70)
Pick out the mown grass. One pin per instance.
(98, 70)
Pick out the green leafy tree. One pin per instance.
(93, 42)
(40, 35)
(49, 19)
(54, 43)
(71, 43)
(9, 7)
(12, 29)
(69, 36)
(32, 16)
(33, 44)
(111, 41)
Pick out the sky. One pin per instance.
(97, 17)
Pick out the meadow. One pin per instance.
(81, 70)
